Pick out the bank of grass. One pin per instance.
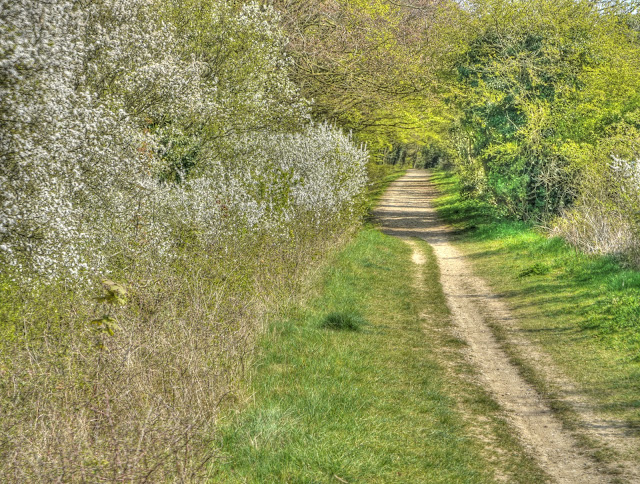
(362, 384)
(584, 310)
(380, 176)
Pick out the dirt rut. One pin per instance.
(406, 211)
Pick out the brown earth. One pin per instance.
(406, 211)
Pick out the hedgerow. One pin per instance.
(162, 189)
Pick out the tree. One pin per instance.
(369, 65)
(531, 95)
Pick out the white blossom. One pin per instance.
(94, 98)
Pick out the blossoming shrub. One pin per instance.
(606, 218)
(171, 158)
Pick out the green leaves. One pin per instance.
(535, 80)
(106, 324)
(115, 294)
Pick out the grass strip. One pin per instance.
(380, 177)
(351, 387)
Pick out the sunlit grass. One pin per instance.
(584, 310)
(373, 405)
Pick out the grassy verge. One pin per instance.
(362, 384)
(380, 176)
(583, 310)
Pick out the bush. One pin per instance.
(539, 86)
(605, 219)
(130, 153)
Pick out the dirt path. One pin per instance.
(406, 211)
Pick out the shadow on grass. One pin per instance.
(343, 321)
(584, 309)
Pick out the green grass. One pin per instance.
(364, 384)
(584, 310)
(380, 176)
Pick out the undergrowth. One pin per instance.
(127, 380)
(124, 379)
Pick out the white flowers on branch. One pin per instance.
(605, 219)
(627, 172)
(275, 179)
(88, 93)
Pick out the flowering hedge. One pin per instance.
(97, 102)
(160, 143)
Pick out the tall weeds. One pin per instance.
(81, 404)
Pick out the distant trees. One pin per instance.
(369, 66)
(529, 100)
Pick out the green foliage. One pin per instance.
(539, 85)
(180, 157)
(246, 80)
(106, 324)
(369, 65)
(114, 294)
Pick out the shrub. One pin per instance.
(539, 86)
(130, 152)
(605, 218)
